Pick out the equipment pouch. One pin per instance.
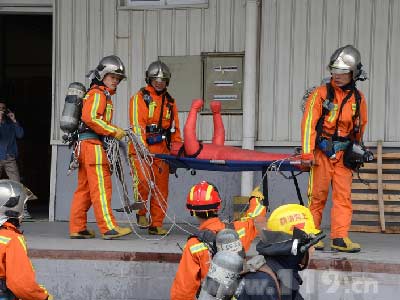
(155, 139)
(326, 145)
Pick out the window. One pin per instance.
(149, 4)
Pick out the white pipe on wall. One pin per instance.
(250, 85)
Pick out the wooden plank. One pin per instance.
(370, 176)
(374, 186)
(373, 166)
(366, 207)
(391, 155)
(380, 187)
(374, 218)
(364, 228)
(374, 196)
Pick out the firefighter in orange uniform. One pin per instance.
(203, 201)
(17, 277)
(94, 176)
(153, 115)
(335, 117)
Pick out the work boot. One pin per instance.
(157, 230)
(84, 234)
(319, 246)
(345, 245)
(116, 233)
(142, 221)
(26, 214)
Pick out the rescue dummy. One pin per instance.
(216, 150)
(17, 277)
(331, 131)
(153, 116)
(94, 175)
(203, 202)
(285, 249)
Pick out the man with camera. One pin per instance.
(331, 131)
(10, 131)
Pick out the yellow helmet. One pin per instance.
(288, 216)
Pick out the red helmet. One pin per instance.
(203, 197)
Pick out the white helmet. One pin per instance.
(158, 69)
(13, 196)
(345, 60)
(109, 64)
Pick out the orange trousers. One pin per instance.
(94, 188)
(159, 196)
(323, 174)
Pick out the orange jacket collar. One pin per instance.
(104, 88)
(213, 224)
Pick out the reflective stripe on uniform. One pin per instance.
(93, 115)
(310, 186)
(197, 248)
(241, 232)
(102, 189)
(332, 113)
(4, 239)
(257, 210)
(135, 114)
(23, 243)
(308, 129)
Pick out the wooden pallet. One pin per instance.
(376, 205)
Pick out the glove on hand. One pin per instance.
(50, 297)
(120, 133)
(257, 193)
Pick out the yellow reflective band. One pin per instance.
(93, 115)
(332, 113)
(152, 106)
(191, 194)
(310, 186)
(135, 113)
(22, 241)
(257, 211)
(102, 189)
(208, 193)
(109, 112)
(168, 115)
(307, 128)
(197, 248)
(4, 240)
(241, 232)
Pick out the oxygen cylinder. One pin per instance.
(222, 277)
(228, 240)
(72, 107)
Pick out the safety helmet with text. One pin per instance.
(203, 197)
(158, 70)
(345, 60)
(286, 217)
(13, 196)
(108, 65)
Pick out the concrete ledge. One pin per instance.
(337, 264)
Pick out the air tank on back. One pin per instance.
(71, 114)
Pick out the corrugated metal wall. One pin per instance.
(297, 38)
(86, 30)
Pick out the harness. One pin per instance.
(156, 131)
(331, 143)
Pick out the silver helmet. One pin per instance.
(13, 196)
(158, 70)
(345, 60)
(108, 64)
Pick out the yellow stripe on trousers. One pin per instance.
(102, 189)
(310, 186)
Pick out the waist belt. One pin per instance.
(88, 135)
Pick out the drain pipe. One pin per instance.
(249, 90)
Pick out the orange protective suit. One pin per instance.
(15, 266)
(142, 114)
(196, 259)
(327, 171)
(94, 176)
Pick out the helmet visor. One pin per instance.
(338, 71)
